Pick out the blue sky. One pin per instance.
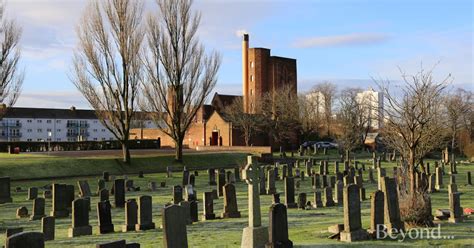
(347, 42)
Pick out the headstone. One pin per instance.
(38, 209)
(22, 212)
(169, 171)
(152, 186)
(212, 176)
(84, 189)
(376, 213)
(290, 192)
(177, 194)
(332, 181)
(284, 171)
(348, 180)
(80, 219)
(194, 210)
(145, 218)
(104, 217)
(278, 227)
(452, 188)
(5, 193)
(328, 200)
(48, 227)
(119, 196)
(255, 235)
(318, 203)
(59, 201)
(131, 215)
(190, 193)
(105, 176)
(174, 227)
(452, 179)
(362, 193)
(431, 183)
(129, 185)
(455, 208)
(192, 180)
(208, 213)
(237, 174)
(185, 177)
(468, 178)
(100, 185)
(25, 240)
(324, 181)
(439, 178)
(230, 202)
(316, 181)
(32, 193)
(113, 244)
(339, 192)
(302, 200)
(380, 174)
(391, 206)
(220, 182)
(47, 194)
(140, 174)
(104, 195)
(70, 196)
(263, 190)
(371, 175)
(11, 231)
(352, 217)
(271, 189)
(276, 198)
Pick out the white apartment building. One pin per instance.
(373, 103)
(61, 125)
(316, 102)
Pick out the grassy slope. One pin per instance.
(306, 228)
(27, 166)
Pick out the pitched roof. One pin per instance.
(50, 113)
(219, 102)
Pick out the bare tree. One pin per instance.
(309, 117)
(180, 75)
(11, 78)
(458, 106)
(248, 124)
(107, 65)
(281, 110)
(327, 91)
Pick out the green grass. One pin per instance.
(34, 166)
(307, 228)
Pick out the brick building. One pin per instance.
(261, 74)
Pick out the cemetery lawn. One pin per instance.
(307, 228)
(41, 166)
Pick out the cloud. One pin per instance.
(58, 99)
(341, 40)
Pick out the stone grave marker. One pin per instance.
(230, 202)
(145, 217)
(5, 193)
(38, 209)
(439, 178)
(290, 192)
(186, 207)
(80, 219)
(25, 240)
(104, 195)
(32, 193)
(100, 185)
(131, 215)
(169, 171)
(185, 176)
(212, 176)
(339, 192)
(174, 227)
(328, 199)
(84, 189)
(193, 205)
(278, 227)
(302, 200)
(48, 227)
(119, 194)
(376, 212)
(271, 189)
(177, 194)
(60, 197)
(104, 217)
(105, 176)
(455, 208)
(208, 213)
(22, 212)
(220, 182)
(392, 218)
(352, 217)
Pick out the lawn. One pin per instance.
(307, 228)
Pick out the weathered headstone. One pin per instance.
(339, 189)
(25, 240)
(302, 200)
(255, 235)
(84, 189)
(169, 171)
(131, 215)
(11, 231)
(278, 227)
(145, 218)
(105, 176)
(192, 180)
(22, 212)
(316, 181)
(104, 195)
(185, 178)
(47, 194)
(60, 205)
(439, 178)
(140, 174)
(80, 219)
(290, 192)
(380, 174)
(119, 194)
(48, 227)
(212, 176)
(100, 185)
(431, 183)
(352, 217)
(208, 213)
(70, 196)
(263, 190)
(5, 193)
(317, 201)
(174, 227)
(152, 186)
(275, 198)
(32, 193)
(104, 217)
(468, 178)
(177, 194)
(271, 189)
(190, 193)
(391, 206)
(220, 182)
(328, 200)
(376, 212)
(230, 202)
(38, 209)
(455, 208)
(194, 210)
(185, 206)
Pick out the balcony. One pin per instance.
(11, 135)
(75, 134)
(10, 124)
(77, 125)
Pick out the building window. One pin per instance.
(95, 130)
(49, 139)
(251, 64)
(58, 139)
(58, 130)
(95, 122)
(251, 78)
(39, 140)
(48, 130)
(39, 130)
(39, 121)
(103, 130)
(29, 121)
(58, 121)
(95, 139)
(251, 91)
(103, 139)
(48, 121)
(29, 130)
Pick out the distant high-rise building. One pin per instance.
(372, 102)
(316, 101)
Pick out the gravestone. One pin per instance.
(284, 171)
(276, 198)
(113, 244)
(11, 231)
(380, 174)
(439, 178)
(452, 179)
(392, 218)
(263, 190)
(371, 175)
(431, 183)
(70, 196)
(48, 227)
(152, 186)
(302, 200)
(290, 192)
(328, 200)
(455, 208)
(22, 212)
(362, 193)
(376, 212)
(145, 218)
(348, 180)
(228, 174)
(336, 167)
(100, 185)
(468, 178)
(38, 209)
(220, 182)
(25, 240)
(32, 193)
(452, 188)
(230, 202)
(192, 180)
(212, 176)
(104, 195)
(339, 192)
(271, 189)
(352, 217)
(332, 181)
(60, 201)
(255, 235)
(324, 181)
(193, 205)
(131, 215)
(80, 219)
(185, 177)
(237, 174)
(47, 194)
(208, 213)
(5, 193)
(84, 189)
(140, 174)
(119, 194)
(278, 227)
(174, 227)
(190, 193)
(104, 217)
(185, 206)
(318, 202)
(177, 194)
(105, 176)
(316, 181)
(169, 171)
(129, 185)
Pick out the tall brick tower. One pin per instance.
(263, 73)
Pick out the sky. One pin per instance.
(347, 42)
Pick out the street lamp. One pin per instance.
(49, 142)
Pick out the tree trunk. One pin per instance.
(247, 138)
(178, 150)
(411, 170)
(125, 152)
